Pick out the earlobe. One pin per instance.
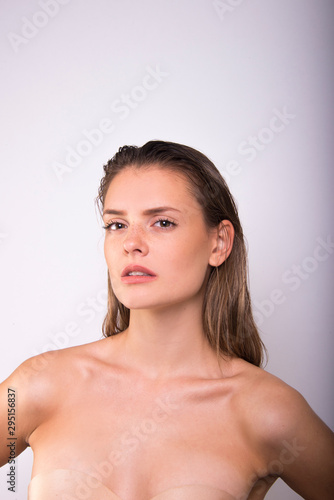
(223, 243)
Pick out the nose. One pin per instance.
(135, 241)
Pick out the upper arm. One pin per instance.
(23, 402)
(308, 453)
(299, 445)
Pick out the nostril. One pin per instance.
(129, 247)
(134, 241)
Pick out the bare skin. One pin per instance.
(150, 413)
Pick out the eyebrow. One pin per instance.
(149, 211)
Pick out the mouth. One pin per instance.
(135, 270)
(137, 274)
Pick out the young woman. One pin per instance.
(172, 404)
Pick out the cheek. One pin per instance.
(189, 259)
(109, 255)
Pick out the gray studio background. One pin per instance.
(249, 83)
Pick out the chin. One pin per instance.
(136, 301)
(154, 304)
(137, 304)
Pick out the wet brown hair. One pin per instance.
(228, 322)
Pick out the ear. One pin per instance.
(223, 237)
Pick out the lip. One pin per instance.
(137, 279)
(135, 267)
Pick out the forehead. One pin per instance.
(151, 185)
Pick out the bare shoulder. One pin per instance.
(295, 443)
(50, 369)
(271, 405)
(272, 408)
(39, 380)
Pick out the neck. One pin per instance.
(169, 342)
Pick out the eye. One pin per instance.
(113, 226)
(165, 223)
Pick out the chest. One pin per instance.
(166, 437)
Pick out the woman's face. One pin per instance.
(154, 222)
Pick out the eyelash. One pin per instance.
(108, 226)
